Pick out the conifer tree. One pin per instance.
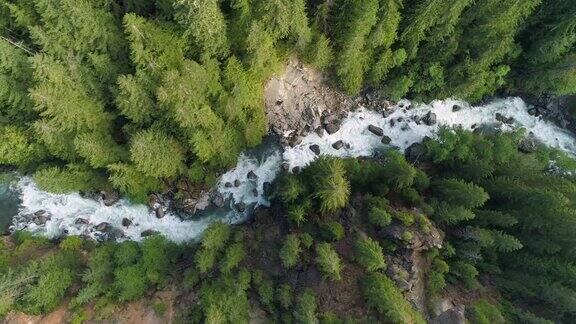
(353, 20)
(204, 27)
(156, 155)
(15, 80)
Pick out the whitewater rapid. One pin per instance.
(407, 128)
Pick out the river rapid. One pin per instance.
(403, 124)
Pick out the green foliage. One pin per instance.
(156, 258)
(397, 172)
(55, 276)
(379, 211)
(368, 253)
(233, 255)
(290, 251)
(73, 177)
(298, 213)
(17, 147)
(71, 244)
(458, 192)
(331, 187)
(285, 296)
(305, 310)
(204, 27)
(332, 231)
(156, 155)
(382, 295)
(215, 236)
(328, 261)
(130, 282)
(483, 312)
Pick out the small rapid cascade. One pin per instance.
(244, 187)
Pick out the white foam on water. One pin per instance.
(265, 170)
(354, 129)
(65, 209)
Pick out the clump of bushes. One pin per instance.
(368, 253)
(328, 261)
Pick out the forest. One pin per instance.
(140, 95)
(507, 237)
(135, 95)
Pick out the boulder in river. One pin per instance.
(218, 199)
(285, 167)
(149, 232)
(320, 131)
(429, 119)
(103, 227)
(296, 170)
(81, 221)
(386, 139)
(159, 212)
(241, 207)
(315, 148)
(338, 144)
(110, 197)
(252, 176)
(456, 108)
(332, 128)
(236, 183)
(126, 222)
(228, 185)
(375, 130)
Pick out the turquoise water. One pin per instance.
(9, 200)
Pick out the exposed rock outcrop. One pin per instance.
(301, 100)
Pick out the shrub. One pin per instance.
(482, 312)
(215, 236)
(307, 240)
(330, 318)
(465, 272)
(328, 260)
(290, 251)
(379, 217)
(332, 231)
(285, 295)
(130, 282)
(382, 295)
(266, 294)
(71, 243)
(397, 172)
(159, 308)
(297, 213)
(127, 253)
(305, 310)
(205, 259)
(232, 257)
(155, 258)
(406, 217)
(368, 253)
(290, 188)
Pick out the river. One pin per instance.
(22, 198)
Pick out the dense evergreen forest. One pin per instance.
(507, 219)
(135, 94)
